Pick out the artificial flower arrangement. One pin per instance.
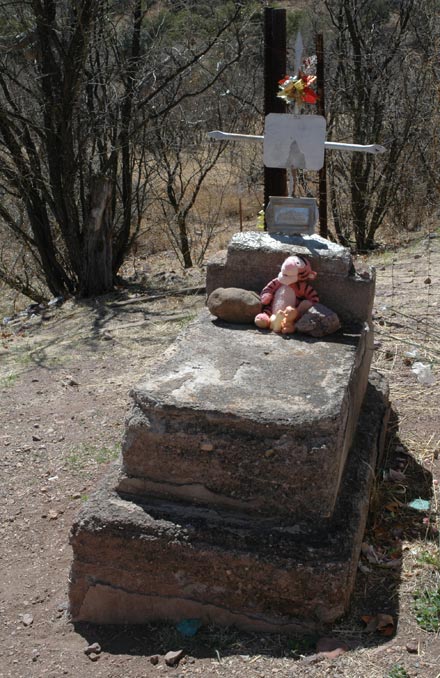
(296, 89)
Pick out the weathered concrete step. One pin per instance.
(247, 420)
(134, 561)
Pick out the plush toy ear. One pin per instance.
(310, 275)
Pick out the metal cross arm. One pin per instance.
(217, 135)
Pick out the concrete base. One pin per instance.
(245, 420)
(136, 561)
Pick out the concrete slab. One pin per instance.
(247, 420)
(254, 258)
(138, 561)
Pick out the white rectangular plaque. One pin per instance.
(294, 141)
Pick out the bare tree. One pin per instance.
(81, 88)
(183, 158)
(375, 72)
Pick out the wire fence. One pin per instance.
(408, 295)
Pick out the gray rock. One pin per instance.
(93, 656)
(319, 321)
(94, 648)
(27, 620)
(234, 305)
(172, 658)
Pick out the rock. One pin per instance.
(207, 447)
(234, 305)
(319, 321)
(56, 301)
(93, 657)
(27, 619)
(172, 658)
(412, 647)
(154, 659)
(35, 654)
(69, 381)
(329, 645)
(94, 648)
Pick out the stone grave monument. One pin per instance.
(247, 463)
(248, 456)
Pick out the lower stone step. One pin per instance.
(135, 562)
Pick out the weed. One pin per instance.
(429, 558)
(105, 454)
(302, 646)
(427, 609)
(397, 671)
(84, 454)
(382, 258)
(8, 381)
(183, 322)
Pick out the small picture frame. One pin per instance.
(291, 216)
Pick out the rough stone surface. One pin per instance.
(246, 419)
(234, 305)
(253, 259)
(137, 561)
(319, 321)
(172, 658)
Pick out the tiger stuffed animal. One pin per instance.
(289, 290)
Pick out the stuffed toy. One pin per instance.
(287, 293)
(283, 322)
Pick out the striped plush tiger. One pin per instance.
(290, 290)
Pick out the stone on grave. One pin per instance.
(319, 321)
(234, 305)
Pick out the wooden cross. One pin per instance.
(293, 141)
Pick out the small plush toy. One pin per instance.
(283, 322)
(286, 293)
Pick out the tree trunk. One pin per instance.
(184, 242)
(97, 277)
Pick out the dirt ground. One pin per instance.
(64, 383)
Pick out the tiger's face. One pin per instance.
(296, 269)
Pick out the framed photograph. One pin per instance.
(291, 216)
